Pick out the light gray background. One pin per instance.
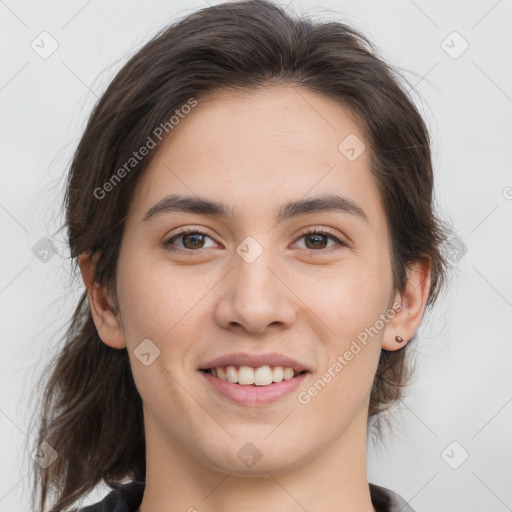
(463, 386)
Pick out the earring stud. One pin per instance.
(399, 339)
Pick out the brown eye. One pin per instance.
(191, 239)
(316, 240)
(194, 239)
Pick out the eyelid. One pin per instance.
(340, 241)
(322, 230)
(184, 231)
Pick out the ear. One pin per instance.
(103, 309)
(413, 300)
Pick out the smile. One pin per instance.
(253, 386)
(247, 376)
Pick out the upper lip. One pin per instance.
(255, 360)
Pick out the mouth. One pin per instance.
(249, 386)
(253, 376)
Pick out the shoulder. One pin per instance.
(125, 498)
(386, 500)
(128, 497)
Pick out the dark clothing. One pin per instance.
(128, 498)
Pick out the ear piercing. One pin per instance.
(399, 339)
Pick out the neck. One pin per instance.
(333, 478)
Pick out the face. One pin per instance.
(305, 284)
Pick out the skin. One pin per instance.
(256, 152)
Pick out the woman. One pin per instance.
(251, 209)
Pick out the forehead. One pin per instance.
(261, 149)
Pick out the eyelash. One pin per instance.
(308, 231)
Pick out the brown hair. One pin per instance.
(91, 411)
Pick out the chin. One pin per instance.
(256, 457)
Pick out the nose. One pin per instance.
(256, 296)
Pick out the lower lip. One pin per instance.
(254, 395)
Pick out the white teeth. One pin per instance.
(263, 376)
(277, 374)
(247, 376)
(288, 373)
(231, 374)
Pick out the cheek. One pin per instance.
(159, 301)
(145, 295)
(353, 299)
(352, 307)
(352, 345)
(156, 306)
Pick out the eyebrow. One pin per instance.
(193, 204)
